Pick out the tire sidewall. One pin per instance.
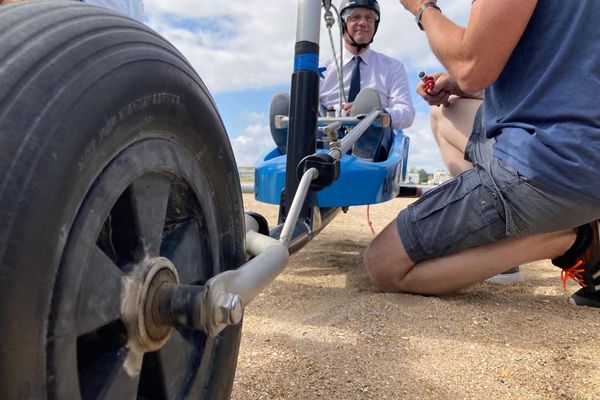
(74, 147)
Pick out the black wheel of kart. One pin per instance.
(116, 176)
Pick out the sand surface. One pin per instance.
(321, 331)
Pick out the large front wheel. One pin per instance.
(116, 177)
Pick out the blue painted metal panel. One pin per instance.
(361, 182)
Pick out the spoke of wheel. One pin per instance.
(123, 380)
(149, 198)
(185, 248)
(176, 360)
(101, 291)
(203, 373)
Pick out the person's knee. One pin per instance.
(436, 119)
(368, 260)
(373, 266)
(386, 261)
(384, 273)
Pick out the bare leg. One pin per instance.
(451, 127)
(392, 270)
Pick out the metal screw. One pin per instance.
(230, 307)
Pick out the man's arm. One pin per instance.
(400, 105)
(476, 55)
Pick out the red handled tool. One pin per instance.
(428, 81)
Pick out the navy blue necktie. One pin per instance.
(355, 79)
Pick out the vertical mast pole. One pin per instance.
(304, 101)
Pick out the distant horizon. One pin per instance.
(410, 170)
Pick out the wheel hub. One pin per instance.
(145, 287)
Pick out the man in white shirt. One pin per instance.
(384, 74)
(375, 71)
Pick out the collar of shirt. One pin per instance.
(365, 56)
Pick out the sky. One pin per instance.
(243, 50)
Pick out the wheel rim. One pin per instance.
(150, 209)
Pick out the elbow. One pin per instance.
(471, 86)
(473, 77)
(405, 120)
(411, 118)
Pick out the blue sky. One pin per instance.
(243, 50)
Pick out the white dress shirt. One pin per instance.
(377, 71)
(131, 8)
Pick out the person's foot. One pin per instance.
(584, 298)
(508, 277)
(582, 264)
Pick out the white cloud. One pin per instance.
(249, 45)
(240, 45)
(237, 44)
(423, 151)
(254, 141)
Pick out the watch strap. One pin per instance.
(424, 7)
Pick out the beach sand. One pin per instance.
(322, 331)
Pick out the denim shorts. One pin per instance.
(482, 205)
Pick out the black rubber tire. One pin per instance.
(93, 104)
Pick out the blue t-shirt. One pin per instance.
(544, 109)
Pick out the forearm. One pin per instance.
(457, 51)
(476, 55)
(398, 102)
(446, 40)
(478, 95)
(402, 115)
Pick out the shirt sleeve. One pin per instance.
(400, 105)
(328, 85)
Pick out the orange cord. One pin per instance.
(369, 221)
(572, 273)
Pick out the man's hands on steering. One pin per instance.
(346, 108)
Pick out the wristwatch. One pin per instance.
(424, 7)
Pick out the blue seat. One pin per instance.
(361, 181)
